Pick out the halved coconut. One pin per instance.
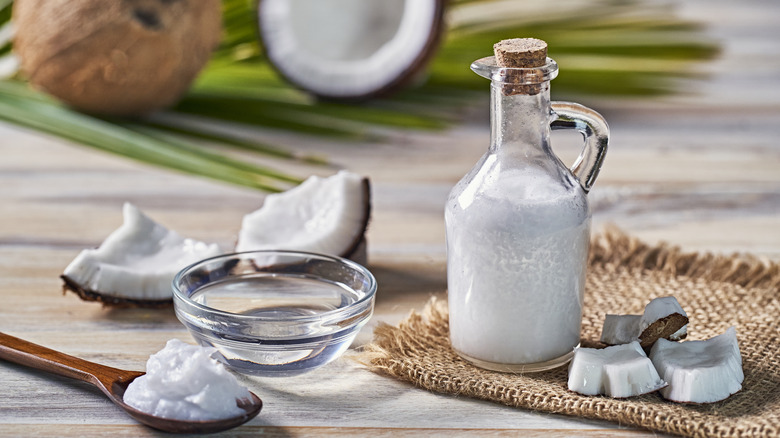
(323, 215)
(350, 49)
(663, 318)
(700, 371)
(618, 371)
(135, 265)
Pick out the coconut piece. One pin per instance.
(619, 371)
(136, 263)
(350, 49)
(663, 318)
(700, 371)
(323, 215)
(620, 329)
(122, 58)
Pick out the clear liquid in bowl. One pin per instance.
(283, 348)
(275, 295)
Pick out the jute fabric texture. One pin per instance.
(624, 274)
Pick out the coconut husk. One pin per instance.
(122, 58)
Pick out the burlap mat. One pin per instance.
(717, 292)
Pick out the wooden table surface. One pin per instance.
(700, 170)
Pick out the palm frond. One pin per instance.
(7, 64)
(604, 47)
(21, 106)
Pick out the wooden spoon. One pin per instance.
(113, 382)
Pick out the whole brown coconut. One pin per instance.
(115, 57)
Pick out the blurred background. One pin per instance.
(690, 90)
(277, 68)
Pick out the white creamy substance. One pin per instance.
(184, 382)
(517, 243)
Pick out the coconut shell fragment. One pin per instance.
(70, 285)
(664, 328)
(663, 319)
(123, 57)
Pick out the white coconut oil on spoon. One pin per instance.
(113, 382)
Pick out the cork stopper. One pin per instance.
(521, 53)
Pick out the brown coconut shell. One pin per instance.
(121, 57)
(86, 294)
(357, 250)
(662, 328)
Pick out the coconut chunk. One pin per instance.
(620, 329)
(135, 264)
(618, 371)
(323, 215)
(700, 371)
(663, 318)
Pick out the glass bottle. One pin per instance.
(518, 228)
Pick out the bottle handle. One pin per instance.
(595, 131)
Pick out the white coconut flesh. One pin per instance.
(322, 215)
(679, 334)
(349, 49)
(620, 329)
(662, 318)
(619, 371)
(700, 371)
(135, 263)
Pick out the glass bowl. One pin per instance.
(275, 313)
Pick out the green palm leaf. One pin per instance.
(32, 110)
(605, 47)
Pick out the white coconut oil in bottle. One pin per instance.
(518, 224)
